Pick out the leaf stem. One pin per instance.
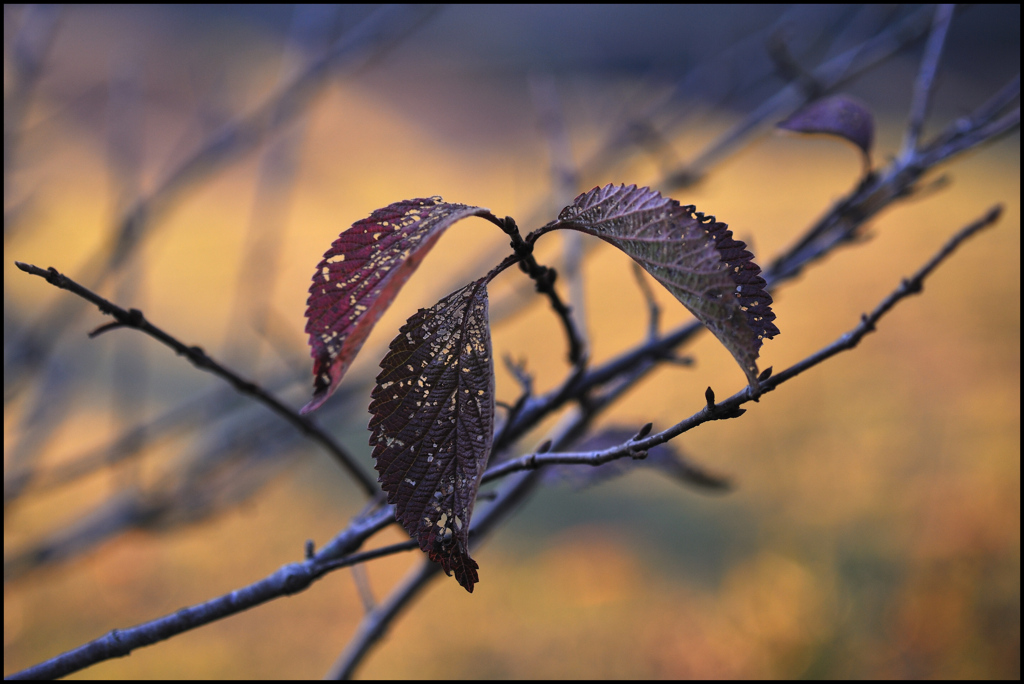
(544, 278)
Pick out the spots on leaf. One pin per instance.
(432, 424)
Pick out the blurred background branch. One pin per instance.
(136, 127)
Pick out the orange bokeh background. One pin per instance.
(874, 530)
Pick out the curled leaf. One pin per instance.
(433, 421)
(360, 275)
(694, 256)
(839, 115)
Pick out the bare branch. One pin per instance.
(289, 579)
(926, 78)
(134, 318)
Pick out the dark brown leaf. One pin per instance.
(360, 275)
(694, 256)
(839, 115)
(432, 425)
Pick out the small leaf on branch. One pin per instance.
(360, 275)
(694, 256)
(432, 425)
(838, 115)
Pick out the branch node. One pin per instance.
(912, 286)
(710, 396)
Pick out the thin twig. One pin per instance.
(135, 319)
(925, 82)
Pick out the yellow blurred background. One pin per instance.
(874, 528)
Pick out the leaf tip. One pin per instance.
(314, 403)
(454, 560)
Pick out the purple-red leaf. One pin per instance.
(839, 115)
(432, 425)
(360, 275)
(694, 256)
